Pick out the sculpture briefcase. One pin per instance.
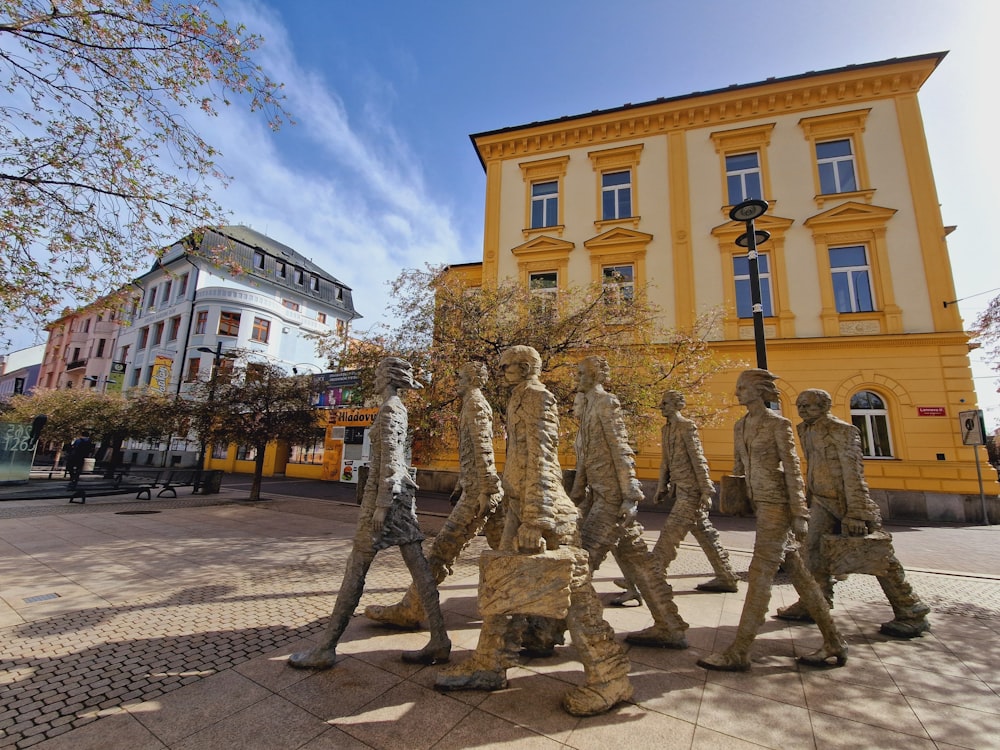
(515, 584)
(734, 498)
(867, 554)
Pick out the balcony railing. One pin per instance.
(76, 364)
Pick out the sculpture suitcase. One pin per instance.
(734, 498)
(515, 584)
(867, 554)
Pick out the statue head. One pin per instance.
(812, 404)
(591, 371)
(672, 402)
(756, 384)
(520, 363)
(395, 372)
(472, 375)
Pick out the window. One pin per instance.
(157, 333)
(224, 372)
(619, 280)
(310, 452)
(246, 453)
(290, 305)
(182, 285)
(297, 276)
(174, 328)
(201, 322)
(220, 451)
(258, 260)
(841, 167)
(143, 338)
(314, 283)
(741, 275)
(152, 298)
(261, 330)
(543, 183)
(136, 376)
(341, 327)
(86, 326)
(616, 195)
(544, 282)
(123, 354)
(321, 317)
(869, 415)
(280, 269)
(229, 324)
(743, 177)
(835, 161)
(544, 204)
(852, 287)
(101, 343)
(340, 293)
(194, 365)
(166, 290)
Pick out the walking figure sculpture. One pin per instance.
(765, 455)
(388, 519)
(839, 503)
(541, 518)
(605, 484)
(479, 499)
(684, 478)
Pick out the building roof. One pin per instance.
(239, 245)
(935, 57)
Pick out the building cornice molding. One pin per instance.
(735, 106)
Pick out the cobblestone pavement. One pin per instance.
(221, 598)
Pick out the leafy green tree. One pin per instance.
(109, 417)
(259, 405)
(100, 163)
(443, 323)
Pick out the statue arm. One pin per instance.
(696, 454)
(482, 439)
(790, 463)
(616, 437)
(856, 495)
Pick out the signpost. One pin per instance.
(970, 423)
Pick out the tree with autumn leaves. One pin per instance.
(100, 162)
(442, 323)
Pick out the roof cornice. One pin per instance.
(732, 105)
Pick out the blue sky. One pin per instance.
(379, 173)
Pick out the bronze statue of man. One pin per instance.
(765, 455)
(540, 517)
(480, 496)
(605, 481)
(839, 503)
(684, 480)
(388, 519)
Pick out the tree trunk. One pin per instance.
(258, 472)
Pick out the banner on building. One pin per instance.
(160, 377)
(116, 378)
(335, 388)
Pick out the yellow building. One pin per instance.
(856, 278)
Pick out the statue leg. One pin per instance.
(486, 669)
(718, 557)
(457, 531)
(439, 648)
(768, 550)
(644, 570)
(909, 612)
(324, 654)
(811, 596)
(821, 521)
(604, 662)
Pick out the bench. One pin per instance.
(141, 481)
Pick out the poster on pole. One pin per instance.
(971, 424)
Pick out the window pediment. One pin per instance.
(776, 225)
(848, 216)
(616, 238)
(543, 245)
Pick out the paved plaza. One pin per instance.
(121, 627)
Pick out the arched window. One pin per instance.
(869, 415)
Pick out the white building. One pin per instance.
(229, 289)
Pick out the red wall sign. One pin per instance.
(932, 411)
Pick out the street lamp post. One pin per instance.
(212, 380)
(747, 212)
